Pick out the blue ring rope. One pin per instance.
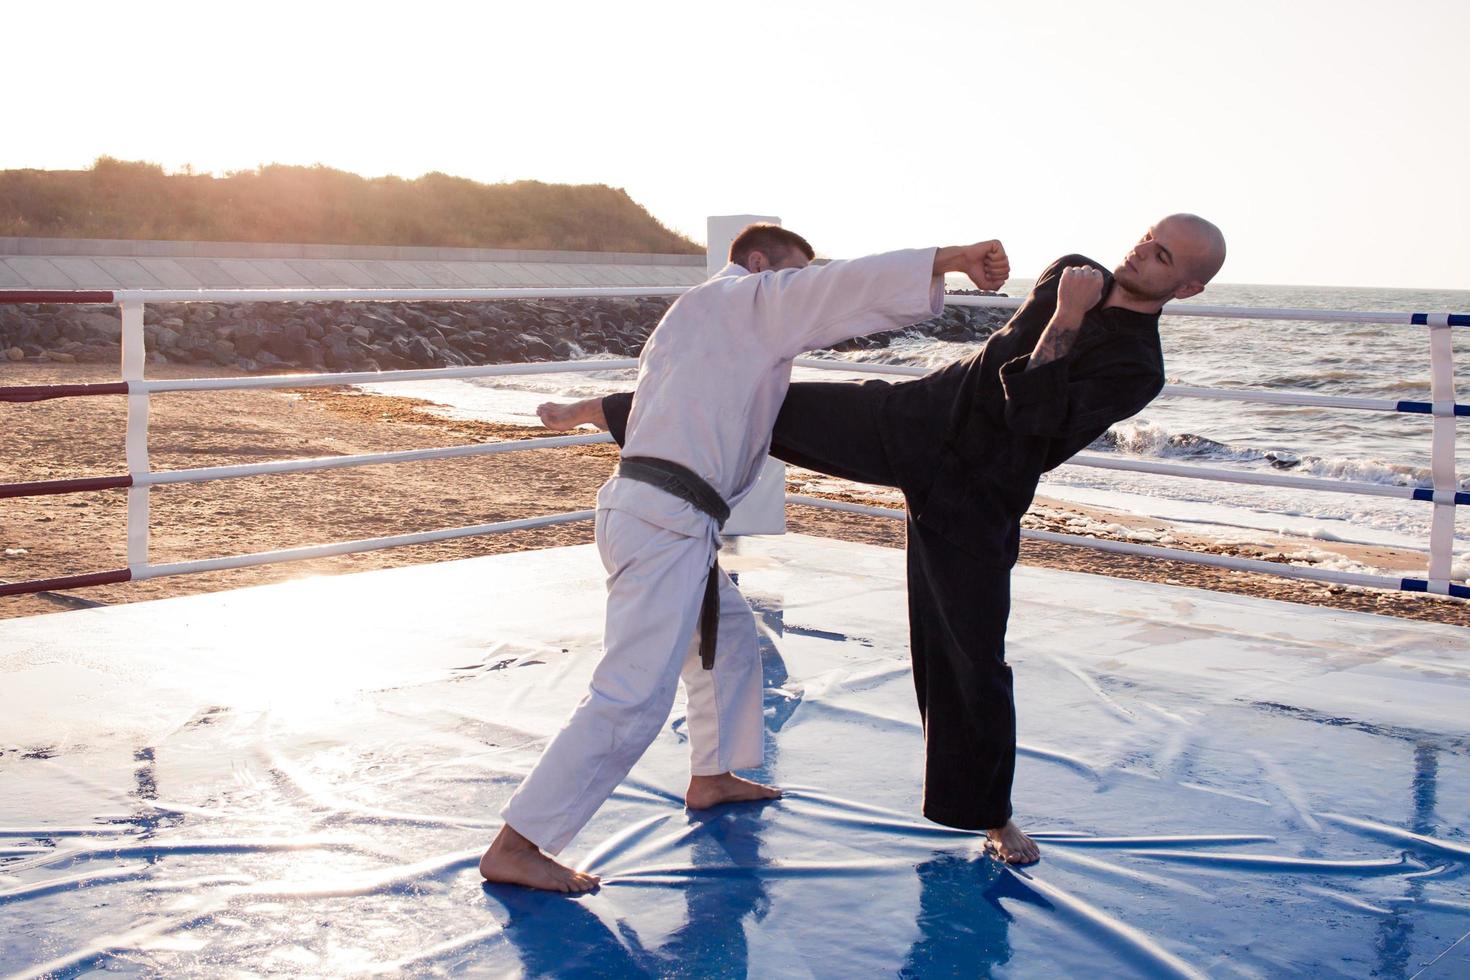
(1427, 408)
(1421, 585)
(1456, 319)
(1427, 495)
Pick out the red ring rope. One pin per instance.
(40, 393)
(66, 582)
(56, 296)
(43, 488)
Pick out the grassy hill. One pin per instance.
(319, 205)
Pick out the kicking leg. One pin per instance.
(831, 428)
(560, 417)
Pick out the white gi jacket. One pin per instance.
(715, 371)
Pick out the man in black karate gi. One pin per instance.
(967, 445)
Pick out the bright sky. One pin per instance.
(1330, 139)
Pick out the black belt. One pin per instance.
(691, 488)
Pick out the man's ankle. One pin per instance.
(510, 839)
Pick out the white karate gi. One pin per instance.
(710, 384)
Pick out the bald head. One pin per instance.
(1201, 243)
(1173, 260)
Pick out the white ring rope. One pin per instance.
(208, 473)
(351, 547)
(1170, 391)
(387, 295)
(380, 377)
(1128, 548)
(1240, 476)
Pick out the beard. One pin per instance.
(1132, 284)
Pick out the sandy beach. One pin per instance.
(51, 536)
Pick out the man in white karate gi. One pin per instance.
(711, 380)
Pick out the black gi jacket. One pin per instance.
(972, 475)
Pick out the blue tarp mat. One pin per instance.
(299, 779)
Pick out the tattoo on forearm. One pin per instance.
(1056, 340)
(1047, 350)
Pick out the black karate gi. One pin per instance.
(967, 446)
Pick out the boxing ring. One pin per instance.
(299, 778)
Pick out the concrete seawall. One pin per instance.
(70, 263)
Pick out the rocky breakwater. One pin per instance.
(276, 337)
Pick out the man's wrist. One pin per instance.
(1067, 319)
(946, 259)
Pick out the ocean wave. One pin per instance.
(1139, 437)
(1311, 379)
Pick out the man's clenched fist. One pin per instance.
(985, 263)
(1080, 289)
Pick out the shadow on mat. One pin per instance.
(558, 935)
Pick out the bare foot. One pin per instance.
(707, 791)
(1012, 846)
(560, 417)
(513, 860)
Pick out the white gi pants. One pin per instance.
(656, 580)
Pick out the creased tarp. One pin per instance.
(300, 779)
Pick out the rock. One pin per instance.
(60, 357)
(15, 354)
(167, 336)
(172, 322)
(157, 357)
(536, 349)
(362, 333)
(102, 325)
(339, 354)
(97, 352)
(282, 347)
(247, 345)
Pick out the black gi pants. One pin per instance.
(958, 607)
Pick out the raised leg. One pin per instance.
(562, 416)
(829, 428)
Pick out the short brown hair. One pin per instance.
(767, 238)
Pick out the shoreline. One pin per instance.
(62, 535)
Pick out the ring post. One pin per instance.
(137, 435)
(1442, 453)
(763, 511)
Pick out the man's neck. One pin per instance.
(1123, 299)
